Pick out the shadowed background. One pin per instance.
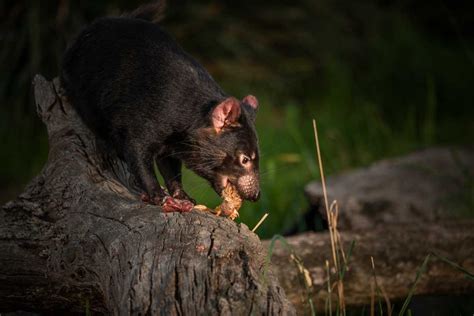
(382, 78)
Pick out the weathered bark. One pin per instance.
(398, 251)
(79, 236)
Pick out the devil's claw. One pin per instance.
(145, 198)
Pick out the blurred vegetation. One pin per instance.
(382, 78)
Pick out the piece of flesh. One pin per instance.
(170, 204)
(230, 205)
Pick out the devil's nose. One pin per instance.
(255, 197)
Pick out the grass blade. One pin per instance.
(345, 267)
(420, 272)
(454, 265)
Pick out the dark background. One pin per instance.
(382, 78)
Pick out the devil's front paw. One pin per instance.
(177, 203)
(171, 204)
(156, 199)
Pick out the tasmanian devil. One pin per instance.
(142, 94)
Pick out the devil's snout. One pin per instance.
(249, 187)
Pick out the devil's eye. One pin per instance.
(244, 160)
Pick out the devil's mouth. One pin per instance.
(223, 182)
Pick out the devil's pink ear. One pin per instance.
(251, 100)
(226, 113)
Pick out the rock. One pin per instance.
(424, 186)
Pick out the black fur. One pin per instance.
(137, 89)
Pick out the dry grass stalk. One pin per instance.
(323, 182)
(260, 222)
(332, 213)
(337, 249)
(303, 271)
(329, 298)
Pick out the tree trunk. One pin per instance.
(80, 239)
(398, 251)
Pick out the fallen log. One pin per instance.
(398, 251)
(79, 239)
(429, 185)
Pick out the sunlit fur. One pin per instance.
(213, 155)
